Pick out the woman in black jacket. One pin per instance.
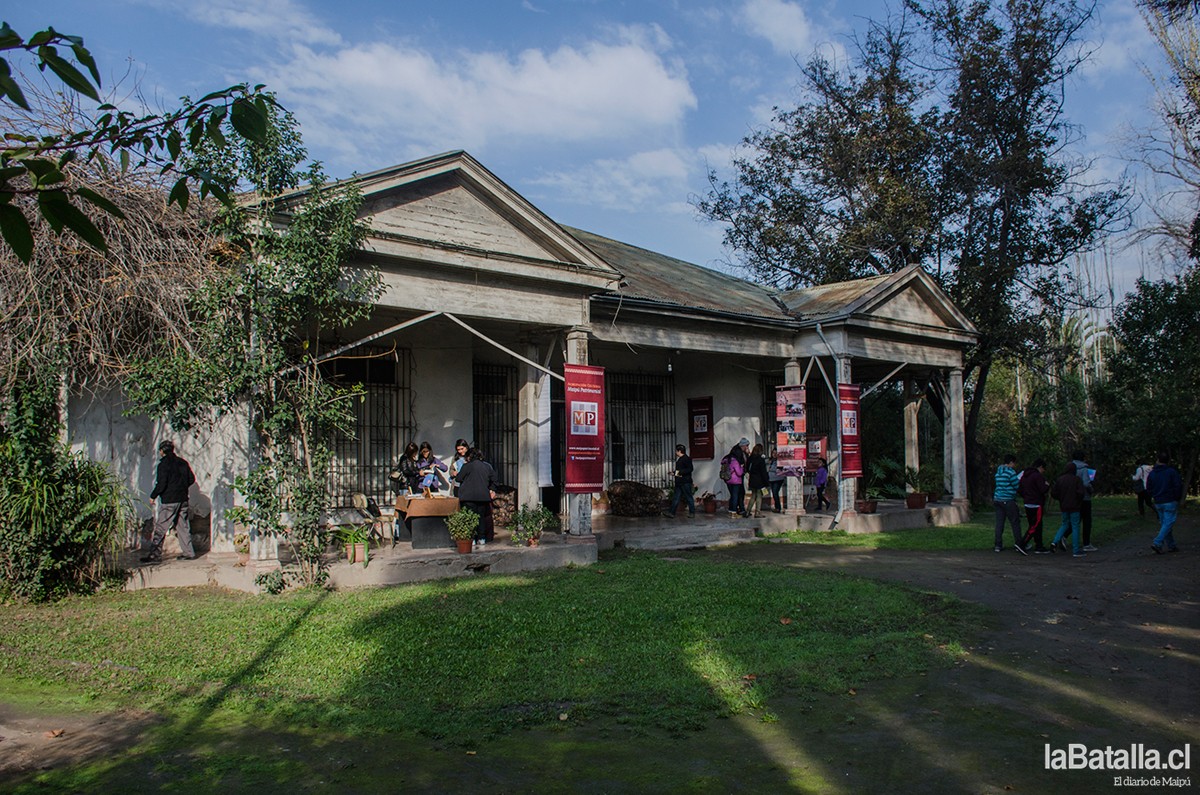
(757, 479)
(476, 490)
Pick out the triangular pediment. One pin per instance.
(911, 297)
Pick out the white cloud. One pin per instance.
(655, 179)
(783, 24)
(283, 20)
(384, 95)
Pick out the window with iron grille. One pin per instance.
(495, 390)
(383, 423)
(640, 428)
(769, 382)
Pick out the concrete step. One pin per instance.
(698, 538)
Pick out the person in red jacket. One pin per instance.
(1033, 489)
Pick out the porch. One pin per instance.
(400, 564)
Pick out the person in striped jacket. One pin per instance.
(1005, 500)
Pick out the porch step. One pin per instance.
(697, 538)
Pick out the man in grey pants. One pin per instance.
(171, 484)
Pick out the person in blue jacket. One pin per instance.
(1166, 489)
(1005, 499)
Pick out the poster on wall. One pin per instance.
(791, 425)
(700, 429)
(848, 396)
(584, 393)
(817, 449)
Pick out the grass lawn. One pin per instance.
(638, 643)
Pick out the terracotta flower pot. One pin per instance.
(464, 545)
(915, 499)
(710, 506)
(356, 553)
(867, 506)
(533, 542)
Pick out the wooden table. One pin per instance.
(425, 520)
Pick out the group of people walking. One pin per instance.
(1073, 488)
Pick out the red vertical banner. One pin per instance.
(851, 452)
(584, 391)
(700, 429)
(791, 425)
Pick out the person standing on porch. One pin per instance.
(820, 482)
(476, 490)
(734, 477)
(757, 480)
(1004, 498)
(171, 483)
(777, 480)
(683, 483)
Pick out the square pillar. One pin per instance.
(528, 490)
(793, 487)
(957, 437)
(912, 408)
(847, 487)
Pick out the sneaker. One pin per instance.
(1157, 549)
(1080, 554)
(691, 514)
(186, 557)
(151, 558)
(1042, 551)
(998, 548)
(668, 514)
(1090, 548)
(1020, 549)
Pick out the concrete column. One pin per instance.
(794, 487)
(912, 407)
(579, 506)
(947, 440)
(957, 443)
(527, 432)
(847, 487)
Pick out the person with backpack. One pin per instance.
(1033, 489)
(1086, 475)
(758, 477)
(1069, 492)
(733, 474)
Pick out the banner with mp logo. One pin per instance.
(584, 391)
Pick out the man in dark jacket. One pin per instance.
(1165, 487)
(1033, 489)
(476, 490)
(1069, 492)
(683, 483)
(171, 484)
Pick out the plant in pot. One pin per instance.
(355, 539)
(915, 498)
(528, 522)
(931, 481)
(709, 501)
(462, 524)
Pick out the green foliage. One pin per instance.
(1148, 403)
(462, 524)
(259, 333)
(929, 479)
(60, 514)
(651, 643)
(530, 521)
(37, 166)
(884, 479)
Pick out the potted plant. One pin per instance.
(462, 524)
(869, 503)
(528, 522)
(355, 538)
(709, 501)
(931, 480)
(915, 498)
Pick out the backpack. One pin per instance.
(725, 474)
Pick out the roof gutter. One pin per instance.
(732, 317)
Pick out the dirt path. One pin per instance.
(1103, 651)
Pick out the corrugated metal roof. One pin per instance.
(657, 277)
(829, 300)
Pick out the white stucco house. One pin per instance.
(484, 292)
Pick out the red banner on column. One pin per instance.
(700, 429)
(851, 452)
(584, 390)
(791, 425)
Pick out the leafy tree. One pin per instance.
(956, 164)
(37, 167)
(259, 331)
(1149, 401)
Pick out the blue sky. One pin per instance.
(605, 114)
